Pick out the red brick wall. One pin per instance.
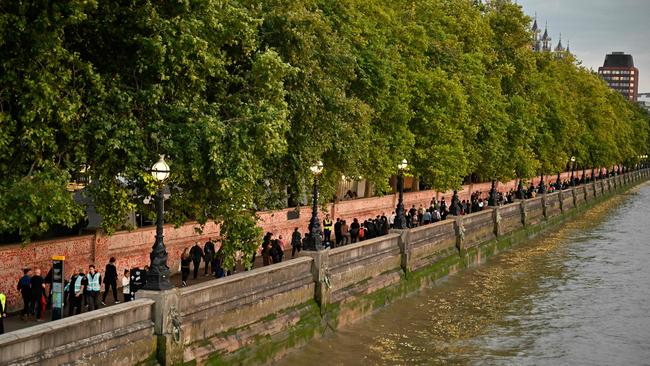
(132, 248)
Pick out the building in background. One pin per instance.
(644, 101)
(619, 73)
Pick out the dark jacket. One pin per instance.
(296, 239)
(196, 253)
(110, 274)
(208, 251)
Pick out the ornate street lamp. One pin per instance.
(573, 160)
(400, 218)
(315, 235)
(158, 275)
(520, 190)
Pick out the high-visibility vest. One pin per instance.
(77, 284)
(3, 303)
(327, 225)
(93, 282)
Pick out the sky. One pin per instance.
(595, 28)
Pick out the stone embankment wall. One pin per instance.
(132, 248)
(117, 335)
(257, 316)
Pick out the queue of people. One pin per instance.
(81, 291)
(191, 259)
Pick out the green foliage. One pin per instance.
(243, 96)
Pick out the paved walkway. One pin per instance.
(13, 321)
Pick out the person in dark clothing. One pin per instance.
(48, 288)
(186, 259)
(276, 251)
(208, 252)
(37, 284)
(77, 288)
(110, 280)
(337, 232)
(26, 293)
(354, 230)
(266, 248)
(197, 255)
(296, 242)
(217, 264)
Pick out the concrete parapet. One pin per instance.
(118, 335)
(426, 244)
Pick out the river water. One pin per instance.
(577, 296)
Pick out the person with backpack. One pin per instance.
(208, 252)
(110, 281)
(276, 251)
(196, 253)
(26, 293)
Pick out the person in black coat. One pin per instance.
(296, 241)
(337, 233)
(110, 280)
(196, 253)
(208, 251)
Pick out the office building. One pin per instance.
(619, 73)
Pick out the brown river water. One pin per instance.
(577, 296)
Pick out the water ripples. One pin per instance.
(577, 296)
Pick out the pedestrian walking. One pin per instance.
(26, 293)
(296, 242)
(37, 284)
(197, 255)
(126, 285)
(185, 266)
(3, 312)
(77, 288)
(354, 230)
(208, 252)
(93, 288)
(110, 281)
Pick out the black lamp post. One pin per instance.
(520, 190)
(158, 275)
(400, 218)
(573, 160)
(493, 198)
(315, 233)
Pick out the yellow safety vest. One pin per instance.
(3, 302)
(327, 225)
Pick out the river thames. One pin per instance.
(576, 296)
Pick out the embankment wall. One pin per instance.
(257, 316)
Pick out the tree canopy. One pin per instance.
(243, 96)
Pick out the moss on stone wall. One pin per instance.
(312, 324)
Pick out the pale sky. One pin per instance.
(597, 27)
